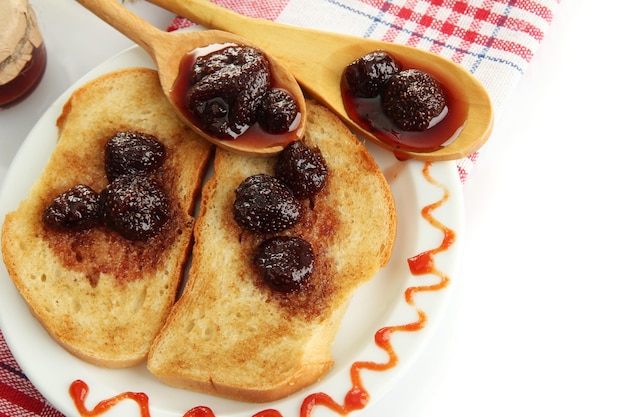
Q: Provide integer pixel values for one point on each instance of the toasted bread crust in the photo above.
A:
(231, 335)
(99, 295)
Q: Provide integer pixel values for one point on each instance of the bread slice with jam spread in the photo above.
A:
(230, 334)
(103, 296)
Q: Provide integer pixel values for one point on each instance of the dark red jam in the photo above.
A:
(26, 81)
(244, 128)
(368, 113)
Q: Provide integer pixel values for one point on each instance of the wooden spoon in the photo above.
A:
(168, 51)
(317, 60)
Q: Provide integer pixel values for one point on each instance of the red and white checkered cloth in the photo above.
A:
(494, 39)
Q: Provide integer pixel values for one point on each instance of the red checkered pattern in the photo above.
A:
(494, 39)
(18, 397)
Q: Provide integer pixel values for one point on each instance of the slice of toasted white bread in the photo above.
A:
(99, 295)
(230, 334)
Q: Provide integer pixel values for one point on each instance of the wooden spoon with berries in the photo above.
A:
(212, 107)
(318, 59)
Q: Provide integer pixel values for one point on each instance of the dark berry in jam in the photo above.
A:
(277, 111)
(75, 209)
(265, 204)
(285, 263)
(132, 153)
(412, 98)
(367, 75)
(135, 206)
(227, 87)
(302, 169)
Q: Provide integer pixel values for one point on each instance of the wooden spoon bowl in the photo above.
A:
(168, 51)
(317, 60)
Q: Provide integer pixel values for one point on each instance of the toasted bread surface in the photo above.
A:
(230, 334)
(101, 296)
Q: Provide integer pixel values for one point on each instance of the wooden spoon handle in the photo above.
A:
(126, 22)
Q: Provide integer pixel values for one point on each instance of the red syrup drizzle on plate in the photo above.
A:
(424, 263)
(357, 397)
(79, 390)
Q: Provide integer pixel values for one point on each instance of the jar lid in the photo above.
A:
(19, 36)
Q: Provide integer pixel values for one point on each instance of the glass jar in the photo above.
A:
(22, 52)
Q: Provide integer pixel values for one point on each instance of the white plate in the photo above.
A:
(379, 303)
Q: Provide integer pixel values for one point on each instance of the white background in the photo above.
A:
(536, 323)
